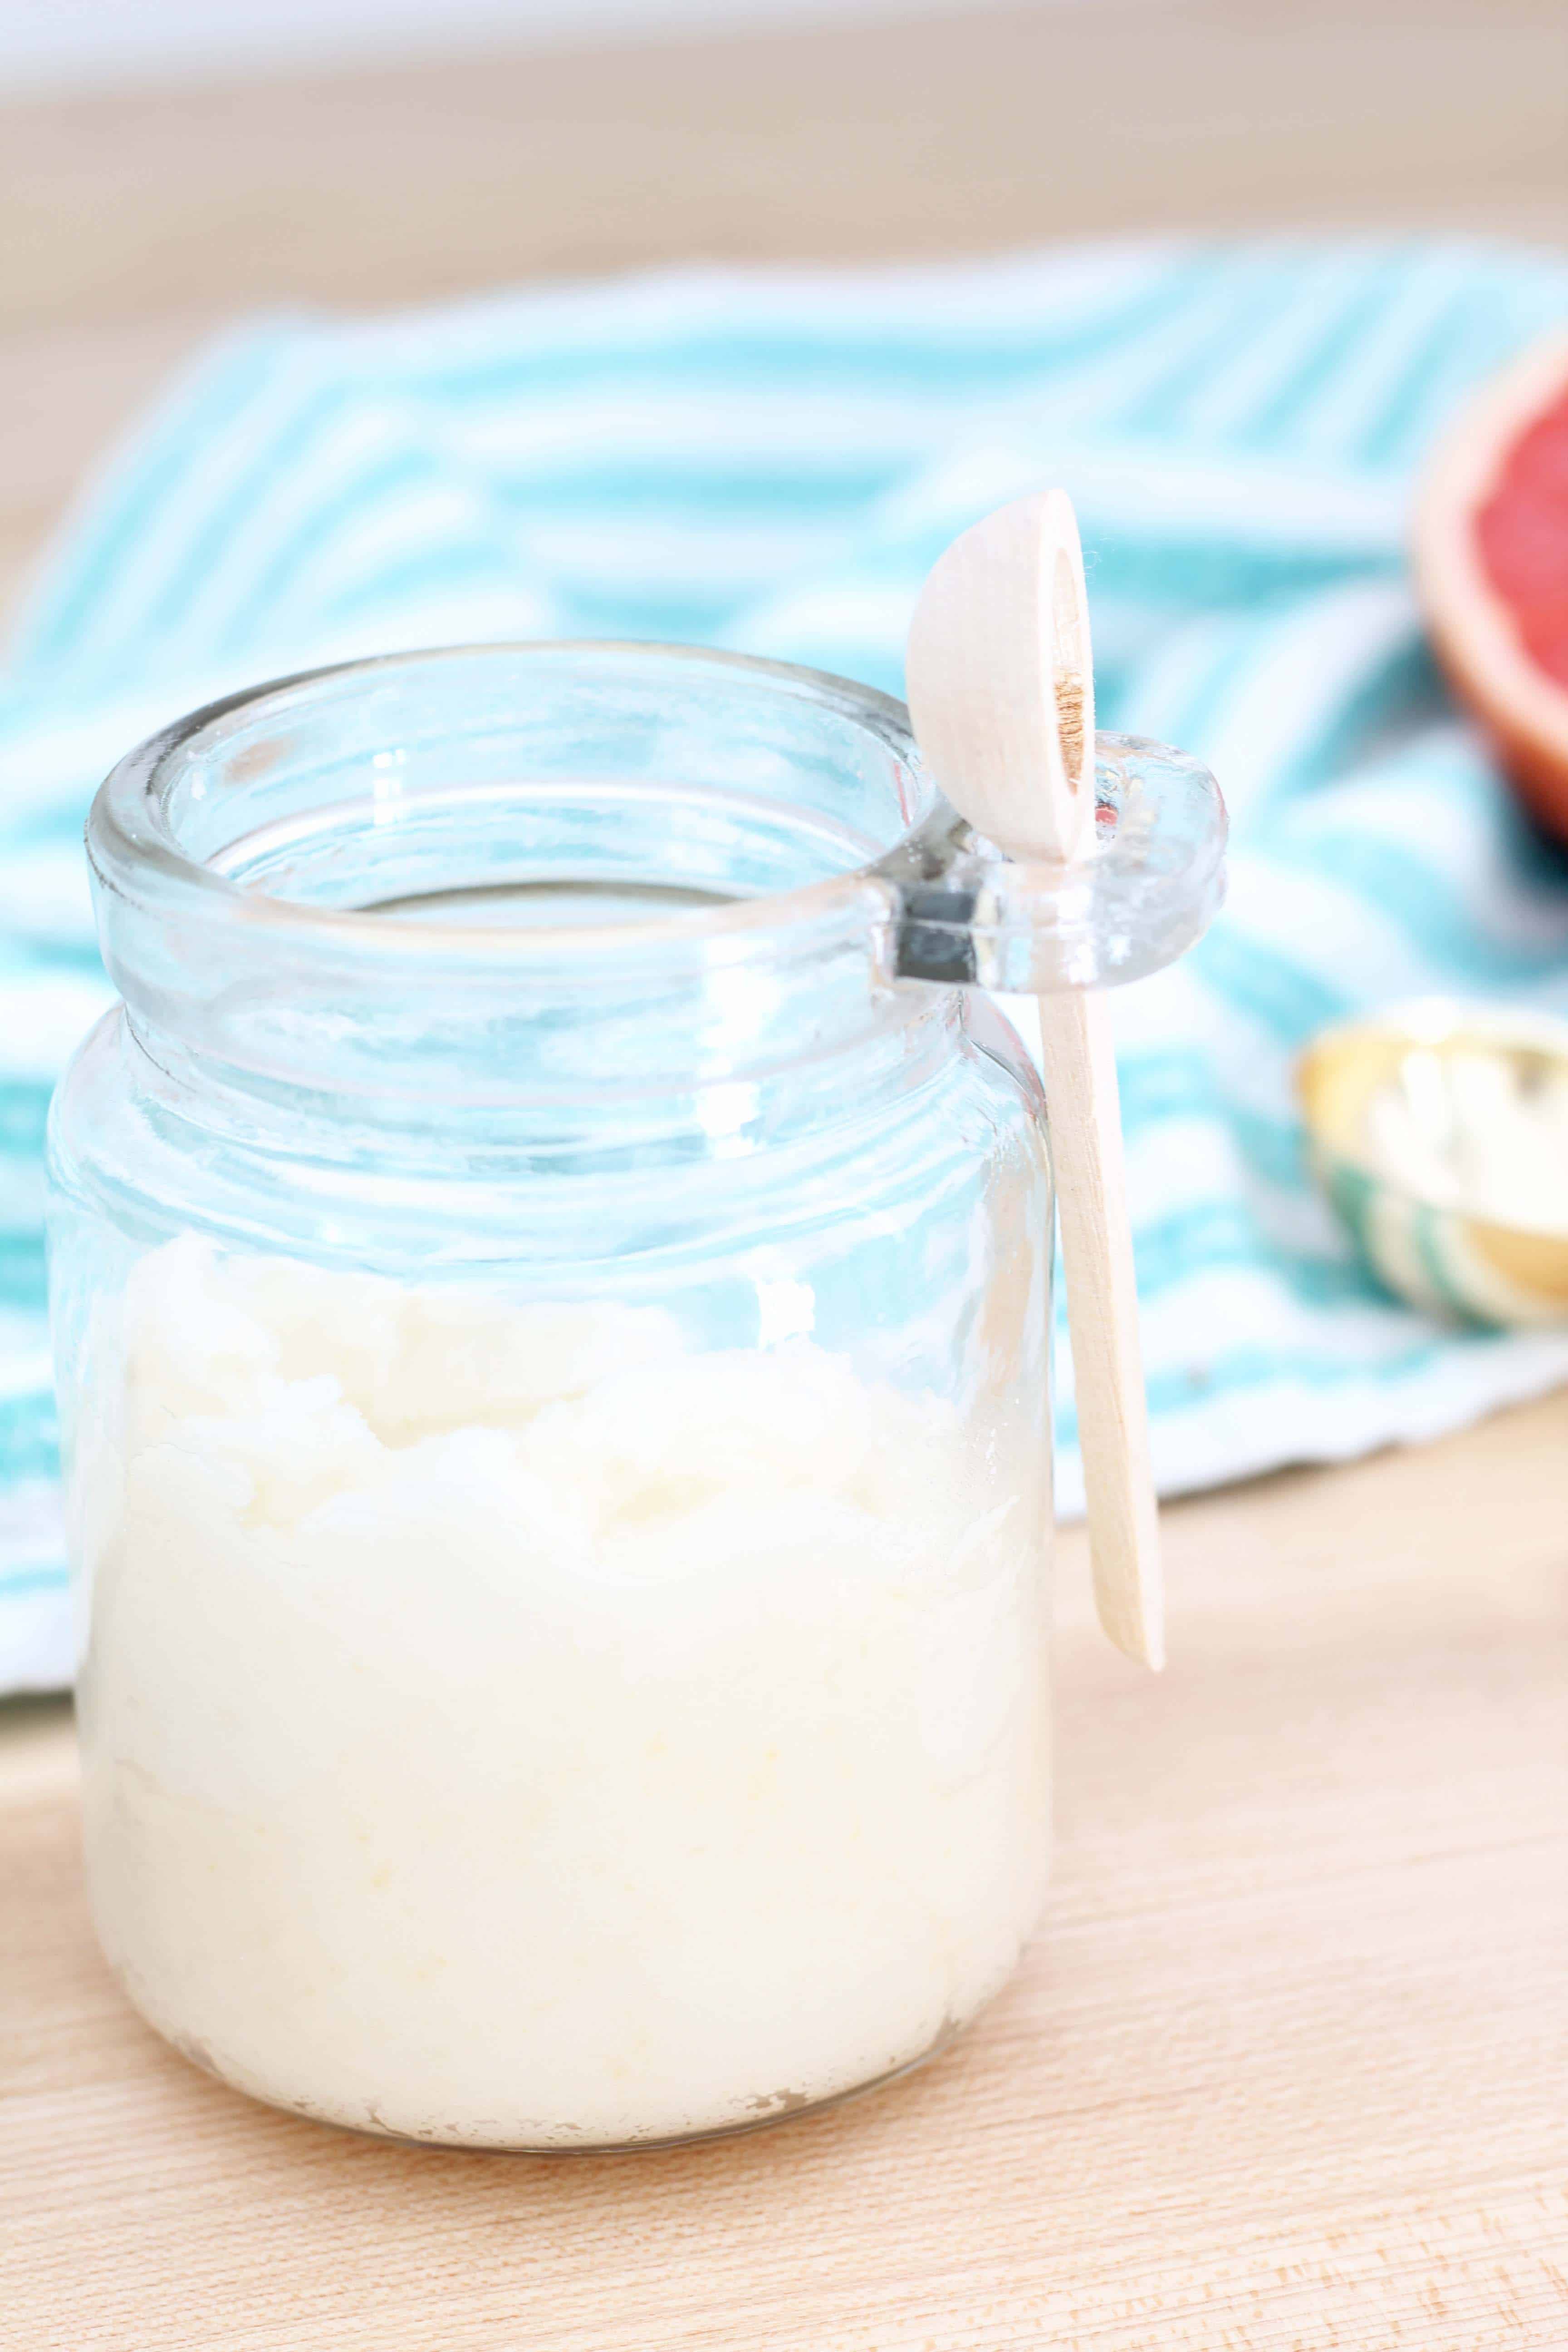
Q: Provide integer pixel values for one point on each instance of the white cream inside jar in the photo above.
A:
(505, 1726)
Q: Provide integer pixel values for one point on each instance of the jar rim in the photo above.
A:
(135, 855)
(885, 871)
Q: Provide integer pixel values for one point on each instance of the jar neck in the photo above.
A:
(699, 1047)
(795, 905)
(524, 890)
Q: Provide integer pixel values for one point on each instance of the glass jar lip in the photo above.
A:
(134, 856)
(938, 903)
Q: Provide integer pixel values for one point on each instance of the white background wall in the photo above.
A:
(60, 45)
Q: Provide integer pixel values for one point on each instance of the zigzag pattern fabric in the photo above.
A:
(770, 461)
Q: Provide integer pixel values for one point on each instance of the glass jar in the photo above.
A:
(551, 1265)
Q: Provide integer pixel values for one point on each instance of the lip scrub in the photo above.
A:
(550, 1275)
(510, 1728)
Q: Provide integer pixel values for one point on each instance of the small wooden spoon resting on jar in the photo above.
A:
(1000, 690)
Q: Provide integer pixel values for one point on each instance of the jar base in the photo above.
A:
(786, 2108)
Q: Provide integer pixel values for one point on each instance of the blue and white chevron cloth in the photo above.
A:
(770, 460)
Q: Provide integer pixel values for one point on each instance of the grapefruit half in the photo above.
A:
(1492, 569)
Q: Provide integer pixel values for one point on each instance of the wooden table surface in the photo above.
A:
(1287, 2070)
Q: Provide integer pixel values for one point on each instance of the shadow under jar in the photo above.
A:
(550, 1265)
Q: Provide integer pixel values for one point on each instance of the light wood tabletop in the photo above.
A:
(1286, 2070)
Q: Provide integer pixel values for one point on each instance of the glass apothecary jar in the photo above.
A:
(550, 1265)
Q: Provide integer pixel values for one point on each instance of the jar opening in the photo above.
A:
(501, 870)
(556, 789)
(503, 867)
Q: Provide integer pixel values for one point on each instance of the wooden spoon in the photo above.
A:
(1000, 690)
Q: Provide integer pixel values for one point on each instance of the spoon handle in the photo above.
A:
(1078, 1064)
(1080, 1070)
(1001, 687)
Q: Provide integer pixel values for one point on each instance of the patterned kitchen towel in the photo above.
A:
(770, 460)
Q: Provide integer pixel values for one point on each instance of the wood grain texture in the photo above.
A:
(1000, 683)
(1287, 2070)
(1078, 1062)
(939, 135)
